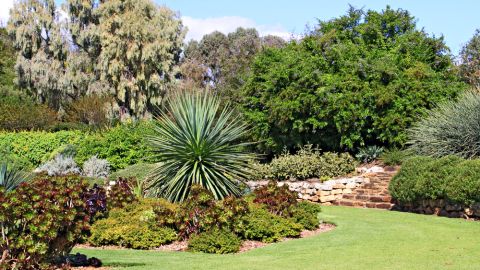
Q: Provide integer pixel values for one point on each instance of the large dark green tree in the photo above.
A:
(359, 79)
(7, 61)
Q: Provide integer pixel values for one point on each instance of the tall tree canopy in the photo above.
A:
(124, 48)
(7, 61)
(470, 57)
(356, 80)
(222, 62)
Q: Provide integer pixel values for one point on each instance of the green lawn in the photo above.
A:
(364, 239)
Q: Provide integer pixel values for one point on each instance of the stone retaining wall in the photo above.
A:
(316, 191)
(441, 208)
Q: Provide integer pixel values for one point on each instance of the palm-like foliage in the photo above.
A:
(10, 178)
(196, 142)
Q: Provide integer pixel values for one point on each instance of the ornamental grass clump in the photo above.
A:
(453, 128)
(196, 141)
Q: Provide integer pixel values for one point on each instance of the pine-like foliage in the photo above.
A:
(453, 128)
(198, 143)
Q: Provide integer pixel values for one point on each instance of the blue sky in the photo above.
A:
(456, 20)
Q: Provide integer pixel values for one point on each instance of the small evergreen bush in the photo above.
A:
(134, 226)
(214, 241)
(259, 224)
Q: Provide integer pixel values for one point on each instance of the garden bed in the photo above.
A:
(246, 245)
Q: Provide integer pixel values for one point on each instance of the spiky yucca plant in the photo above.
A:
(453, 128)
(196, 142)
(10, 178)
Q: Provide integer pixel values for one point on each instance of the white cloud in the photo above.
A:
(197, 28)
(5, 7)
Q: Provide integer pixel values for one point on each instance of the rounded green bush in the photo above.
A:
(451, 178)
(306, 214)
(214, 241)
(264, 226)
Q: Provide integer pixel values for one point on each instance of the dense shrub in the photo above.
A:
(306, 163)
(450, 129)
(450, 178)
(260, 224)
(133, 226)
(35, 147)
(122, 145)
(395, 156)
(92, 110)
(277, 199)
(121, 193)
(198, 213)
(306, 214)
(359, 79)
(42, 220)
(214, 241)
(17, 114)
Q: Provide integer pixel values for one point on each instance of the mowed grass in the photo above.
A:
(364, 239)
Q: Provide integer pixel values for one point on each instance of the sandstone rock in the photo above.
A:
(326, 187)
(347, 191)
(375, 169)
(350, 185)
(339, 186)
(328, 198)
(323, 193)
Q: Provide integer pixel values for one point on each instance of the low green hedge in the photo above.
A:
(122, 145)
(451, 178)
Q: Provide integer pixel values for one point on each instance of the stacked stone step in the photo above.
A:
(373, 193)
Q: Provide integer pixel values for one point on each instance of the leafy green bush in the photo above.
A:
(36, 146)
(197, 142)
(17, 114)
(134, 226)
(41, 221)
(306, 163)
(121, 146)
(306, 214)
(259, 224)
(369, 154)
(451, 178)
(450, 129)
(359, 79)
(214, 241)
(395, 156)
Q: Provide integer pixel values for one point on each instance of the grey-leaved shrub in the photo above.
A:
(60, 165)
(453, 128)
(96, 167)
